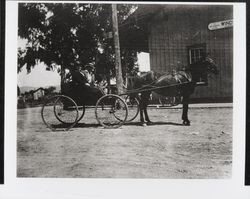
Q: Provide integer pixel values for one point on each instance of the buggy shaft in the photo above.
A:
(140, 90)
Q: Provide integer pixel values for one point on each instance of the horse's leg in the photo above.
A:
(185, 102)
(141, 105)
(146, 114)
(141, 115)
(147, 96)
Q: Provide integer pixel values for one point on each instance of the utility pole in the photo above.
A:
(118, 68)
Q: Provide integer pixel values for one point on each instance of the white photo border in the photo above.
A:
(126, 188)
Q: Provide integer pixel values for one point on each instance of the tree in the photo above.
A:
(69, 35)
(50, 89)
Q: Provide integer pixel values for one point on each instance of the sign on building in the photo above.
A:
(220, 24)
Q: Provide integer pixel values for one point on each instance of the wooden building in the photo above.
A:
(178, 35)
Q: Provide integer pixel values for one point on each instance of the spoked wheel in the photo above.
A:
(60, 113)
(133, 108)
(169, 101)
(111, 111)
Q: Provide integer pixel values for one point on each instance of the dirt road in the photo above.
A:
(165, 149)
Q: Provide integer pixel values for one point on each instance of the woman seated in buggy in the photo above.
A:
(82, 88)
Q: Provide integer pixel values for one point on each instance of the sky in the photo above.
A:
(39, 77)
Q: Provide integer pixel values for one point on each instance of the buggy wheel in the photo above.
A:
(111, 111)
(59, 113)
(133, 108)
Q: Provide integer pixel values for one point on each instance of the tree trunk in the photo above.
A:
(119, 80)
(62, 79)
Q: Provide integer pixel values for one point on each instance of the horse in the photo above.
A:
(178, 83)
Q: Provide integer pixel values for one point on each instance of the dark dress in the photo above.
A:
(81, 92)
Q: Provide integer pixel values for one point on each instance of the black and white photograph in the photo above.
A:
(153, 100)
(127, 90)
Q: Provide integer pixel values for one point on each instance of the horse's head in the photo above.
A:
(201, 70)
(211, 66)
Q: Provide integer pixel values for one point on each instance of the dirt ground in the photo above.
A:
(165, 149)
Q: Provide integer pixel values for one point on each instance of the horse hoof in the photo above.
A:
(149, 122)
(186, 123)
(144, 124)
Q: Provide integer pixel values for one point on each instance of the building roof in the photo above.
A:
(34, 91)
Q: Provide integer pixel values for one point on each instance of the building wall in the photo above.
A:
(172, 31)
(38, 94)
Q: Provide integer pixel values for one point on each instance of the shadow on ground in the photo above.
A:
(88, 125)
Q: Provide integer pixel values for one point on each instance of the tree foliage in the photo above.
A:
(70, 35)
(50, 89)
